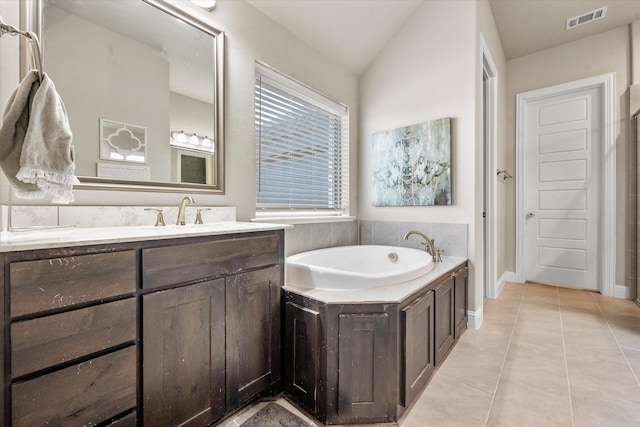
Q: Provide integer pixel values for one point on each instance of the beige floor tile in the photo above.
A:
(519, 405)
(586, 320)
(610, 375)
(537, 367)
(633, 357)
(595, 408)
(626, 332)
(480, 373)
(541, 295)
(578, 342)
(475, 361)
(540, 335)
(449, 403)
(617, 305)
(530, 305)
(540, 289)
(491, 337)
(503, 311)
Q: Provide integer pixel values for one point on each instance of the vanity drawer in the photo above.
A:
(62, 282)
(47, 341)
(84, 394)
(171, 265)
(130, 420)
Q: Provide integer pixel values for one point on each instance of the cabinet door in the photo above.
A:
(302, 354)
(460, 278)
(445, 326)
(417, 346)
(253, 333)
(183, 355)
(363, 348)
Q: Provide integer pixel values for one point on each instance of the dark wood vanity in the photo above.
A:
(362, 363)
(157, 333)
(187, 330)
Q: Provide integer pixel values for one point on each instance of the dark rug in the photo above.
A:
(274, 415)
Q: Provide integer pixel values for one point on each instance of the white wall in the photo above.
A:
(599, 54)
(427, 71)
(487, 26)
(635, 53)
(250, 36)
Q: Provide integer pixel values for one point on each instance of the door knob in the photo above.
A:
(530, 214)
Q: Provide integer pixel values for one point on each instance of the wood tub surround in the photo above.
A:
(165, 332)
(365, 363)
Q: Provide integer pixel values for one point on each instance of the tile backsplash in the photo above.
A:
(305, 237)
(106, 216)
(301, 238)
(450, 237)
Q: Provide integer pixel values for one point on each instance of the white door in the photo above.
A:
(562, 141)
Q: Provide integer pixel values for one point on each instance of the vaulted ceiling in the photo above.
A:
(353, 32)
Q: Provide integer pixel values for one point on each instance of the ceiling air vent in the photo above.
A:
(594, 15)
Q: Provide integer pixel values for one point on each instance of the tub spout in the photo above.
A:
(429, 244)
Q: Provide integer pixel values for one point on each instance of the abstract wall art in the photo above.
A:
(412, 165)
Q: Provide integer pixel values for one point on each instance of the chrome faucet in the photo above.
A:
(188, 200)
(429, 244)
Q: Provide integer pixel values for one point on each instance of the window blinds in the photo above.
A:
(302, 160)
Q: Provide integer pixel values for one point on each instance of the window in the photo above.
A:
(302, 149)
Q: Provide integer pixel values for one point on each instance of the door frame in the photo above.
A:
(607, 214)
(489, 134)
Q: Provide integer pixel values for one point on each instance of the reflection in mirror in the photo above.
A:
(132, 74)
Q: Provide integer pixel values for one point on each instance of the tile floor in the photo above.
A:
(245, 415)
(544, 356)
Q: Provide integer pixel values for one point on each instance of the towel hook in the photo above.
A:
(35, 43)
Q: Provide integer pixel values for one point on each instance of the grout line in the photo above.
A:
(504, 361)
(566, 363)
(626, 359)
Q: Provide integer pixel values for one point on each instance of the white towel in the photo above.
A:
(46, 155)
(15, 122)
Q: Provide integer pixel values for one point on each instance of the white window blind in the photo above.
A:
(302, 149)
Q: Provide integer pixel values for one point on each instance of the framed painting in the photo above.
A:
(412, 165)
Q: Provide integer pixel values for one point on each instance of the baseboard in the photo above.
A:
(622, 291)
(474, 319)
(507, 276)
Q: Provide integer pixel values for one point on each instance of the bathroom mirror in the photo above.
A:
(142, 82)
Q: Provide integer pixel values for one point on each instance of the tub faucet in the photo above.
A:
(429, 244)
(188, 200)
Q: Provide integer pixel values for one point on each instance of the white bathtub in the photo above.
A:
(356, 267)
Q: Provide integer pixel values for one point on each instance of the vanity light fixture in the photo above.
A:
(192, 141)
(179, 136)
(205, 4)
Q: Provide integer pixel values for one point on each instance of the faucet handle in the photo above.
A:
(439, 254)
(159, 216)
(199, 215)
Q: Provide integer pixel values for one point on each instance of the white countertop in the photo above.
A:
(64, 237)
(390, 294)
